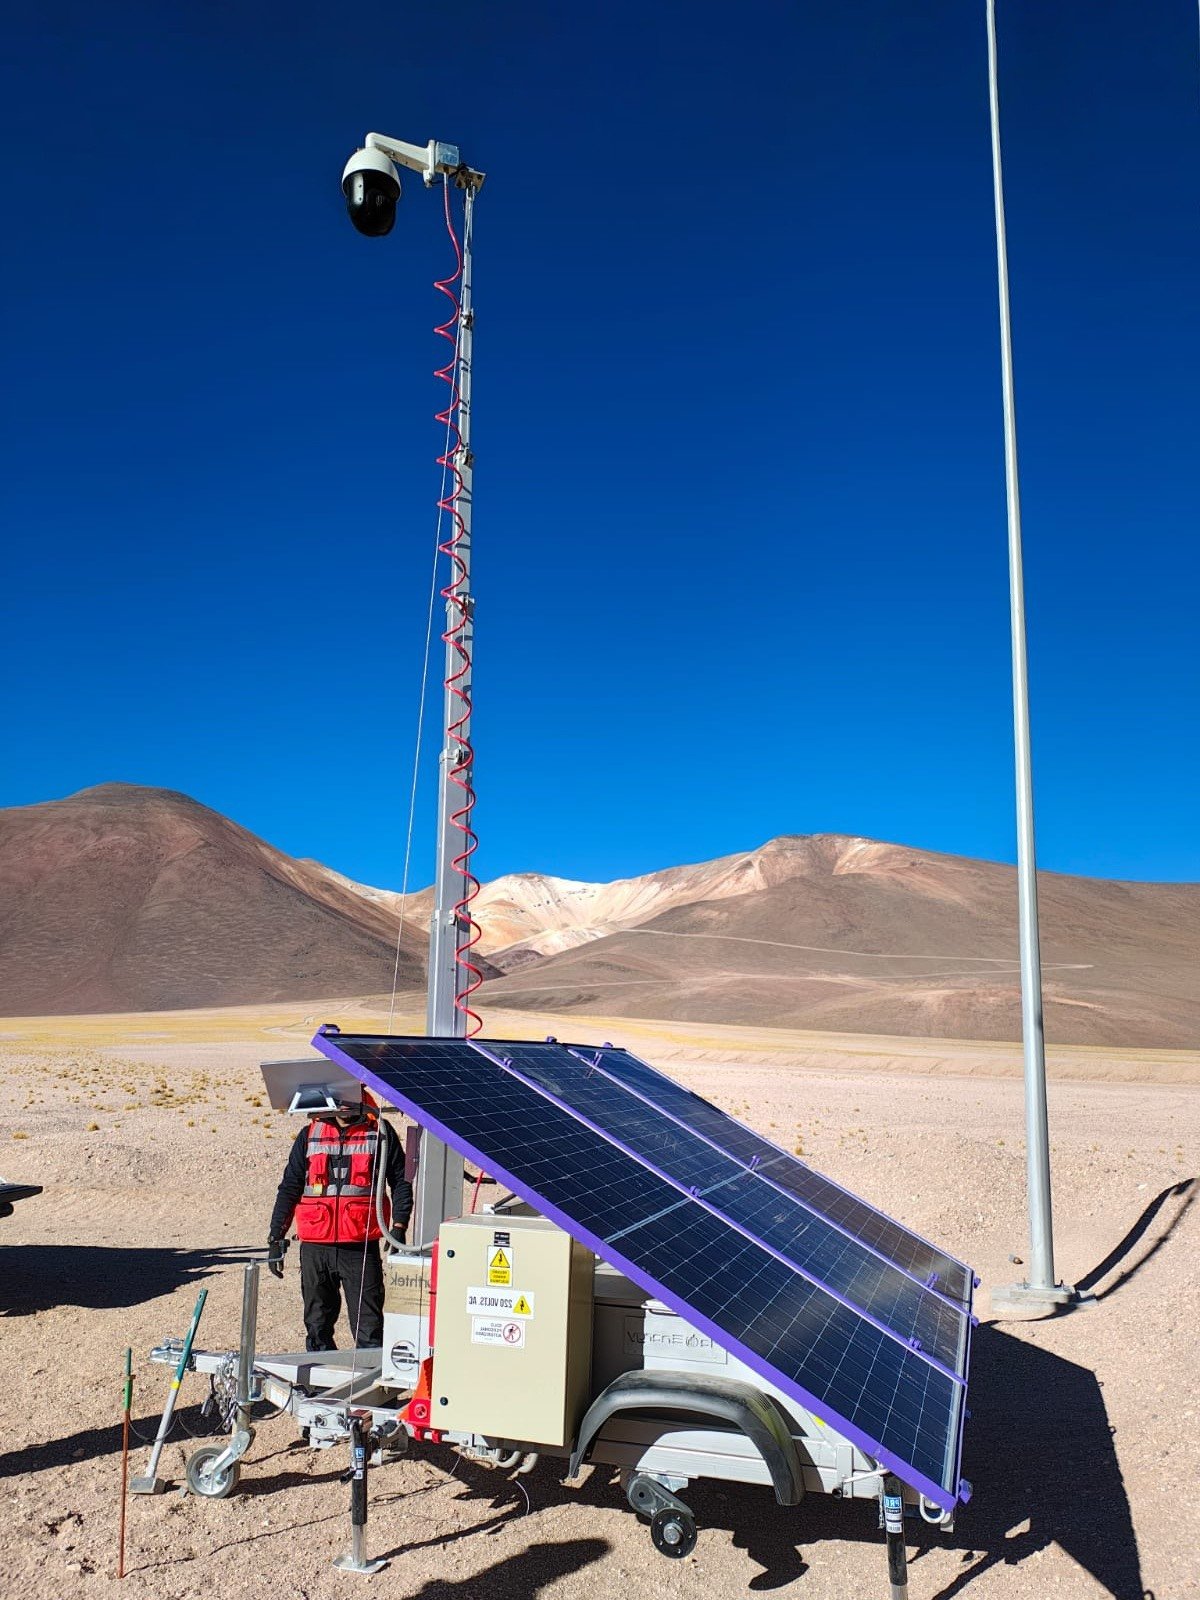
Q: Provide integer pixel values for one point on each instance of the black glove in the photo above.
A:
(399, 1230)
(276, 1250)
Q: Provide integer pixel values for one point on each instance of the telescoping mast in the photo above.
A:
(372, 188)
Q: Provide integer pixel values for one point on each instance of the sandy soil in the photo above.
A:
(160, 1160)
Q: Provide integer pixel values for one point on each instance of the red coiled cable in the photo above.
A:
(455, 639)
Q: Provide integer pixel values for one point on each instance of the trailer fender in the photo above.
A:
(723, 1399)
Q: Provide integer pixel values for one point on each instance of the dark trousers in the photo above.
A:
(328, 1270)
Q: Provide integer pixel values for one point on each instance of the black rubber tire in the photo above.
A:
(203, 1483)
(673, 1533)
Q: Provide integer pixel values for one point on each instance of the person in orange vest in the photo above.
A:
(327, 1190)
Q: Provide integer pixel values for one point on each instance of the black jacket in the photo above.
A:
(295, 1174)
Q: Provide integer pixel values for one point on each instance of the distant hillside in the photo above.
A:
(526, 915)
(124, 898)
(845, 934)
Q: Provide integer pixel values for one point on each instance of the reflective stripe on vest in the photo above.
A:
(325, 1140)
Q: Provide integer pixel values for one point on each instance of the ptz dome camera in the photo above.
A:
(371, 185)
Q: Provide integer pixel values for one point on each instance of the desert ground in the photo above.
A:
(160, 1157)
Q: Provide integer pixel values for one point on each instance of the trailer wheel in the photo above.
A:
(212, 1486)
(673, 1533)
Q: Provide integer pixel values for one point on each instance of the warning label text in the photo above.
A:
(509, 1334)
(500, 1302)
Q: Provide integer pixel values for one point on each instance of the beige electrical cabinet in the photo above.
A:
(513, 1342)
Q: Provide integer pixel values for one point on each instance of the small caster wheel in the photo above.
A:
(202, 1481)
(673, 1533)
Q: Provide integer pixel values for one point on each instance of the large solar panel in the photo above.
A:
(922, 1260)
(746, 1197)
(667, 1188)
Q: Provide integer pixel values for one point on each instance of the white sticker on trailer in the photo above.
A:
(500, 1302)
(507, 1333)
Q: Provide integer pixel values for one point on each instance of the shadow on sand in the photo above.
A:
(517, 1577)
(99, 1277)
(1039, 1450)
(89, 1443)
(1041, 1454)
(1185, 1191)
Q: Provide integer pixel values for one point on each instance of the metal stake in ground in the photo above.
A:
(356, 1560)
(150, 1484)
(128, 1402)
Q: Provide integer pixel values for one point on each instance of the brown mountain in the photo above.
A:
(127, 898)
(845, 934)
(123, 898)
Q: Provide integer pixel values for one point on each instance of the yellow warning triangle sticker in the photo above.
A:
(500, 1260)
(522, 1307)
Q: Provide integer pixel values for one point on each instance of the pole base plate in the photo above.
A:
(347, 1563)
(147, 1486)
(1039, 1297)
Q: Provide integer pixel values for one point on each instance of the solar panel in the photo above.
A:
(881, 1233)
(819, 1313)
(746, 1197)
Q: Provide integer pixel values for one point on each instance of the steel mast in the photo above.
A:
(1040, 1286)
(438, 1189)
(439, 1178)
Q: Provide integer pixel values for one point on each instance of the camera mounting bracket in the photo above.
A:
(429, 160)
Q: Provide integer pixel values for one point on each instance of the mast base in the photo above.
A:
(1040, 1297)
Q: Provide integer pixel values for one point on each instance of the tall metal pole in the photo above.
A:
(440, 1170)
(1041, 1282)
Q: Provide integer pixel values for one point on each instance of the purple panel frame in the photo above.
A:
(934, 1492)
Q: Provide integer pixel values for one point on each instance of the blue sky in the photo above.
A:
(740, 503)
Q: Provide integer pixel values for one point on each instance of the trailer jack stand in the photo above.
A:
(891, 1518)
(355, 1560)
(212, 1471)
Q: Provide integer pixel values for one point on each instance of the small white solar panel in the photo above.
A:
(315, 1084)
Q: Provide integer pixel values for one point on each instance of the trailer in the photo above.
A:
(606, 1378)
(524, 1331)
